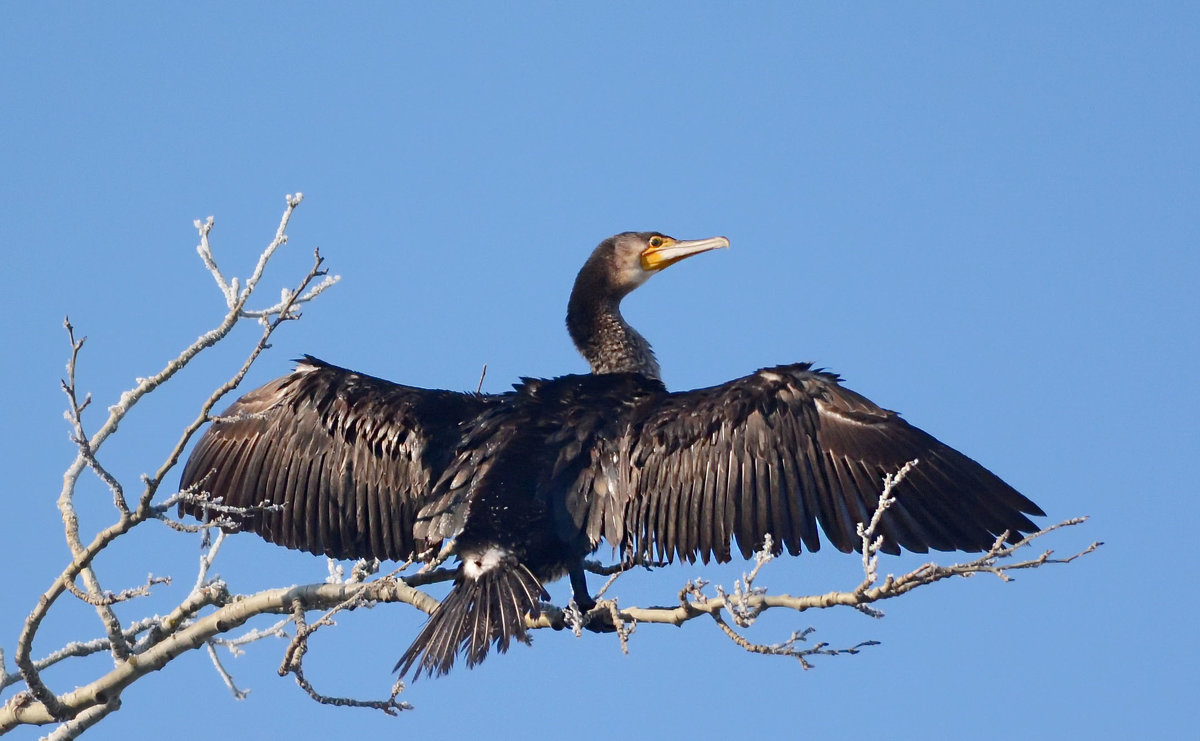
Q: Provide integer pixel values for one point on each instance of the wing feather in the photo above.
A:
(783, 450)
(343, 461)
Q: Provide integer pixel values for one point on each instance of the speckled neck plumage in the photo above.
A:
(594, 318)
(607, 341)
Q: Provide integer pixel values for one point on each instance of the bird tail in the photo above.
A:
(488, 604)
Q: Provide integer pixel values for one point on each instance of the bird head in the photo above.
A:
(636, 256)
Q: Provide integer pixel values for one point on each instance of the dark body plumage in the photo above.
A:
(525, 484)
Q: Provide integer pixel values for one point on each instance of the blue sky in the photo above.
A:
(984, 217)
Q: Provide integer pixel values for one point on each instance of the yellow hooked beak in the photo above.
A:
(664, 252)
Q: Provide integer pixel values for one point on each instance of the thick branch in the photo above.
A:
(104, 689)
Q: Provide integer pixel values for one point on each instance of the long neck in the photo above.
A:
(606, 340)
(594, 320)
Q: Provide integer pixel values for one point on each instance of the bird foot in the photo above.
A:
(598, 618)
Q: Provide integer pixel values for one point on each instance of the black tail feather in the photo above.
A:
(477, 613)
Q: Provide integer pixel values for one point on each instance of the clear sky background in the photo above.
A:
(985, 217)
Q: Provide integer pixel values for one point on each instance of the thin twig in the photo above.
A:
(482, 375)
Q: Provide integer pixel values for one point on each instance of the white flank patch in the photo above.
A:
(476, 565)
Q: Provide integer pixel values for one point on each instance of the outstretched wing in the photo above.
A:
(783, 450)
(343, 461)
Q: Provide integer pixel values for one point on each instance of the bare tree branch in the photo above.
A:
(691, 606)
(230, 615)
(88, 452)
(293, 659)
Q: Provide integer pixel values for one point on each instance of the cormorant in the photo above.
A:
(523, 485)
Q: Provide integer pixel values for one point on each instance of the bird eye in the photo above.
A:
(656, 242)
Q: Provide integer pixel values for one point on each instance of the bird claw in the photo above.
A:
(598, 618)
(599, 621)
